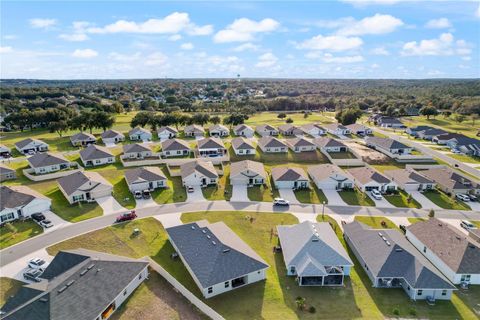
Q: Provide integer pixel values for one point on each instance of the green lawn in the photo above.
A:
(401, 200)
(18, 231)
(272, 159)
(265, 193)
(441, 122)
(298, 119)
(221, 191)
(415, 220)
(8, 288)
(356, 198)
(174, 193)
(312, 195)
(464, 158)
(376, 222)
(444, 201)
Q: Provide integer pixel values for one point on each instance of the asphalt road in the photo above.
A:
(44, 240)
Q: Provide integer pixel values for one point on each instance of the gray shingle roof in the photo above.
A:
(174, 144)
(210, 143)
(334, 126)
(367, 174)
(82, 136)
(355, 127)
(386, 143)
(194, 128)
(229, 258)
(323, 171)
(242, 143)
(288, 174)
(23, 143)
(135, 147)
(267, 127)
(241, 127)
(204, 167)
(4, 169)
(144, 174)
(93, 152)
(449, 178)
(300, 142)
(111, 134)
(17, 196)
(46, 159)
(252, 167)
(138, 130)
(405, 176)
(167, 128)
(326, 142)
(218, 127)
(74, 181)
(271, 142)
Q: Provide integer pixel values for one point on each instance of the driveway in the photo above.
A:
(110, 205)
(169, 220)
(400, 221)
(334, 198)
(381, 203)
(424, 201)
(56, 221)
(456, 224)
(143, 203)
(196, 195)
(474, 205)
(239, 193)
(16, 269)
(289, 195)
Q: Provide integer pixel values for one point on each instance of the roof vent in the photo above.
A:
(226, 250)
(440, 224)
(214, 243)
(388, 243)
(69, 283)
(83, 272)
(62, 289)
(204, 231)
(399, 249)
(380, 234)
(471, 246)
(458, 237)
(208, 236)
(193, 227)
(44, 300)
(384, 239)
(315, 239)
(91, 266)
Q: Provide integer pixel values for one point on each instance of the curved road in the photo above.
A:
(47, 239)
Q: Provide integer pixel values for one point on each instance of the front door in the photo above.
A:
(204, 182)
(87, 195)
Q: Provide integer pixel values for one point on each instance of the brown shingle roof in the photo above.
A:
(271, 142)
(204, 167)
(242, 143)
(239, 167)
(367, 174)
(174, 144)
(288, 174)
(210, 143)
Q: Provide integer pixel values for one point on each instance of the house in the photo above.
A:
(18, 202)
(167, 132)
(94, 155)
(359, 129)
(82, 139)
(457, 256)
(272, 145)
(194, 130)
(390, 261)
(78, 284)
(289, 129)
(444, 138)
(216, 258)
(175, 148)
(198, 173)
(290, 178)
(368, 179)
(300, 145)
(242, 146)
(465, 145)
(328, 144)
(428, 134)
(218, 130)
(388, 146)
(336, 129)
(266, 130)
(388, 122)
(313, 254)
(5, 152)
(329, 177)
(111, 137)
(247, 173)
(211, 147)
(410, 180)
(244, 131)
(451, 182)
(31, 145)
(145, 178)
(139, 134)
(84, 186)
(136, 151)
(48, 162)
(413, 131)
(312, 129)
(7, 173)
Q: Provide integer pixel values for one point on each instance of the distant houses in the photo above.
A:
(18, 202)
(387, 122)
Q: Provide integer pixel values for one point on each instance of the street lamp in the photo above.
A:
(323, 211)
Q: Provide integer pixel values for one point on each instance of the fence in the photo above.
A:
(171, 162)
(212, 314)
(347, 162)
(29, 173)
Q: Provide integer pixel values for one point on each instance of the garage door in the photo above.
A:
(370, 188)
(36, 206)
(411, 187)
(327, 185)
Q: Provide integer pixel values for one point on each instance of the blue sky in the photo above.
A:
(313, 39)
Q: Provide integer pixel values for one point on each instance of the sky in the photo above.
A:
(226, 39)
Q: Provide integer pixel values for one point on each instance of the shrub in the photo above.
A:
(413, 312)
(289, 120)
(431, 213)
(312, 309)
(396, 311)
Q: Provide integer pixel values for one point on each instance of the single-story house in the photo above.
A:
(7, 173)
(465, 145)
(145, 178)
(413, 131)
(328, 144)
(94, 155)
(198, 173)
(29, 144)
(410, 180)
(312, 129)
(388, 145)
(112, 137)
(428, 134)
(82, 139)
(167, 132)
(216, 258)
(390, 261)
(218, 130)
(84, 186)
(451, 182)
(48, 162)
(248, 173)
(329, 177)
(244, 131)
(367, 179)
(457, 256)
(300, 145)
(289, 129)
(136, 151)
(139, 134)
(211, 147)
(272, 145)
(290, 178)
(313, 254)
(359, 129)
(194, 130)
(388, 122)
(78, 284)
(444, 138)
(17, 202)
(336, 129)
(175, 148)
(266, 130)
(242, 146)
(5, 152)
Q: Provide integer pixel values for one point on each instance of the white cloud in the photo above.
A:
(84, 53)
(187, 46)
(155, 59)
(175, 37)
(477, 13)
(200, 31)
(42, 23)
(6, 49)
(380, 51)
(377, 24)
(443, 46)
(331, 43)
(246, 47)
(124, 57)
(374, 66)
(266, 60)
(74, 37)
(329, 58)
(440, 23)
(10, 37)
(243, 30)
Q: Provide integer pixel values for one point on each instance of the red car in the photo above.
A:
(126, 216)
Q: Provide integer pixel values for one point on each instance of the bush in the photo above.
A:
(312, 309)
(396, 311)
(413, 312)
(289, 120)
(431, 213)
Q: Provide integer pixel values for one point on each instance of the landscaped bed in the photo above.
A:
(18, 231)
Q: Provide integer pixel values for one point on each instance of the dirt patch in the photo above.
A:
(368, 155)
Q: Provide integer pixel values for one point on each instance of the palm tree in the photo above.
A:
(300, 302)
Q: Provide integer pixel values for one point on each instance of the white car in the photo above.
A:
(467, 225)
(37, 263)
(463, 197)
(280, 202)
(46, 223)
(376, 194)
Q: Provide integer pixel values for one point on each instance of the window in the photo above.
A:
(424, 249)
(97, 161)
(210, 290)
(444, 292)
(125, 292)
(408, 288)
(227, 284)
(140, 276)
(465, 278)
(292, 269)
(419, 292)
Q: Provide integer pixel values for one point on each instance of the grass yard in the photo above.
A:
(18, 231)
(174, 193)
(264, 193)
(415, 220)
(8, 288)
(440, 122)
(356, 198)
(444, 201)
(298, 119)
(272, 159)
(401, 200)
(312, 195)
(223, 190)
(376, 222)
(464, 158)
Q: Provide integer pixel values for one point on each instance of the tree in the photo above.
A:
(200, 118)
(141, 119)
(60, 127)
(428, 111)
(431, 213)
(457, 117)
(446, 114)
(103, 120)
(391, 111)
(289, 120)
(348, 116)
(282, 115)
(215, 120)
(300, 302)
(235, 119)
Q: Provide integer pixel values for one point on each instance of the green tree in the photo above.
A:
(215, 120)
(457, 117)
(282, 115)
(428, 111)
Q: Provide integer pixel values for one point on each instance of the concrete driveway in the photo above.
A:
(289, 195)
(239, 193)
(424, 201)
(16, 269)
(381, 203)
(169, 220)
(56, 221)
(110, 205)
(334, 198)
(196, 195)
(474, 205)
(143, 203)
(456, 224)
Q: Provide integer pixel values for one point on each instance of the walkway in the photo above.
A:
(110, 205)
(289, 195)
(334, 198)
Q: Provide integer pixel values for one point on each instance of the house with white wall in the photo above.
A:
(198, 173)
(211, 147)
(84, 186)
(145, 178)
(272, 145)
(82, 139)
(18, 202)
(48, 162)
(410, 180)
(243, 130)
(218, 130)
(313, 129)
(111, 137)
(266, 130)
(194, 130)
(140, 134)
(300, 144)
(94, 155)
(31, 145)
(136, 151)
(290, 178)
(336, 129)
(247, 173)
(243, 147)
(328, 144)
(175, 148)
(388, 146)
(368, 179)
(167, 132)
(329, 177)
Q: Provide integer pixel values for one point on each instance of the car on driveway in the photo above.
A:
(190, 189)
(33, 274)
(137, 194)
(472, 197)
(46, 223)
(38, 217)
(467, 225)
(127, 216)
(146, 194)
(462, 197)
(280, 202)
(376, 194)
(37, 263)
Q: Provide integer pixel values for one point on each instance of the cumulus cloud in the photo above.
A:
(84, 53)
(380, 51)
(329, 58)
(187, 46)
(39, 23)
(440, 23)
(246, 47)
(266, 60)
(377, 24)
(124, 57)
(74, 37)
(156, 59)
(442, 46)
(6, 49)
(331, 43)
(175, 37)
(244, 30)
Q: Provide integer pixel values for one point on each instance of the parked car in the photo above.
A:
(127, 216)
(31, 152)
(38, 217)
(280, 202)
(462, 197)
(190, 189)
(146, 194)
(467, 225)
(376, 194)
(46, 223)
(138, 194)
(37, 263)
(473, 197)
(33, 274)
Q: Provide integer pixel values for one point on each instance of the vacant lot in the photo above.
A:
(366, 154)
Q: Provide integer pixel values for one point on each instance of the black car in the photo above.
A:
(38, 217)
(33, 274)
